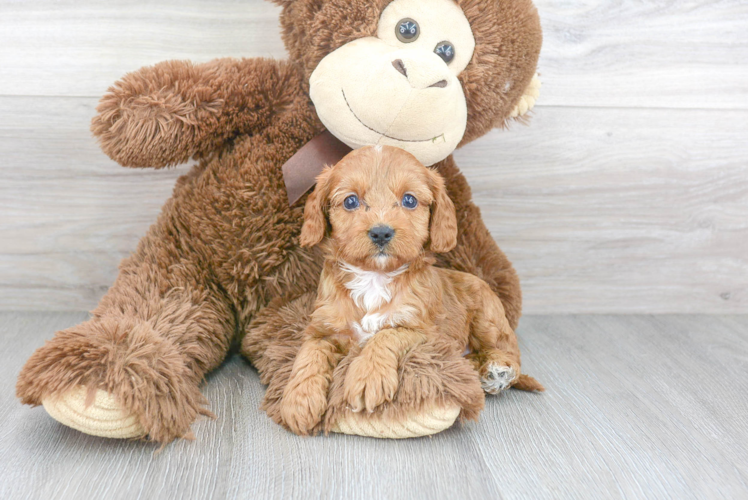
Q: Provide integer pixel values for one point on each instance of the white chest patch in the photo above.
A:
(368, 326)
(370, 290)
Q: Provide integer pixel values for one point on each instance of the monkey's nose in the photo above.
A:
(381, 235)
(399, 65)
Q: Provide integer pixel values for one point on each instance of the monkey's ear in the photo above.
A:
(443, 217)
(315, 222)
(527, 100)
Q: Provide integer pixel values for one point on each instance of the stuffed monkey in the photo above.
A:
(222, 263)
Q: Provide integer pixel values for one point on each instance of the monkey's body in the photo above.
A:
(223, 261)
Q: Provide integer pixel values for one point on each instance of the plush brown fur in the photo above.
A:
(223, 260)
(424, 303)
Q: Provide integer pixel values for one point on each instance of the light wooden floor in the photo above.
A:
(637, 407)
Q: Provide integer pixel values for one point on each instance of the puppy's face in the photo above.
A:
(383, 206)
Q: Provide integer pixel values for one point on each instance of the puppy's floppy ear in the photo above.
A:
(315, 222)
(443, 217)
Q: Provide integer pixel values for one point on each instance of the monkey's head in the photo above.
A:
(427, 76)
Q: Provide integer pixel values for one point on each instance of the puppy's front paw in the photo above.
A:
(495, 377)
(368, 385)
(303, 405)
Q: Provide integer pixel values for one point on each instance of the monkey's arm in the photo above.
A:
(165, 114)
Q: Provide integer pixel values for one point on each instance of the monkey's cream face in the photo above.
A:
(400, 88)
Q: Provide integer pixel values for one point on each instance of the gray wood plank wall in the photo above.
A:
(628, 191)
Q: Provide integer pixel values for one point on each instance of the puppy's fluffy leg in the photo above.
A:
(496, 351)
(372, 378)
(305, 397)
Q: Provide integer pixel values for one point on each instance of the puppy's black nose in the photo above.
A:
(381, 235)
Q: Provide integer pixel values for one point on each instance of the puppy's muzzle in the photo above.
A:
(381, 235)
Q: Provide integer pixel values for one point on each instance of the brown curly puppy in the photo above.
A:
(379, 287)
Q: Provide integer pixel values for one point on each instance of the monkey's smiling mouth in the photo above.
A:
(433, 139)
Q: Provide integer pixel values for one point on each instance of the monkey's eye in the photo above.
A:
(407, 30)
(446, 51)
(409, 201)
(351, 203)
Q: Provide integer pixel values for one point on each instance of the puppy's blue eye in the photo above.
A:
(409, 201)
(351, 203)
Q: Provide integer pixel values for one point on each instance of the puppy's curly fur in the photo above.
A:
(380, 290)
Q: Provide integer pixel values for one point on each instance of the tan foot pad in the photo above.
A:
(103, 417)
(424, 423)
